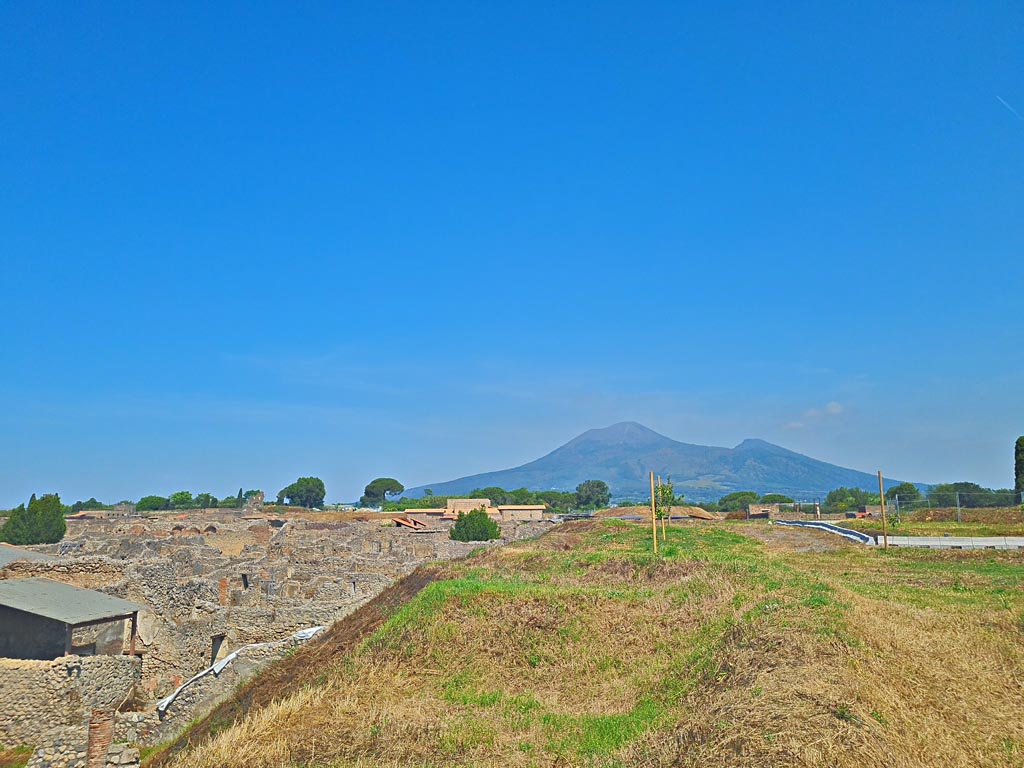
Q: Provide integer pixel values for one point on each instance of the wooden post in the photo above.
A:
(881, 499)
(131, 640)
(654, 517)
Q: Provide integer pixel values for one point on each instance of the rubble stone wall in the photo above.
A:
(36, 696)
(88, 572)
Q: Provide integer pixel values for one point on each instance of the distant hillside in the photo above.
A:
(624, 453)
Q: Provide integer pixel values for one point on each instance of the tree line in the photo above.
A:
(908, 495)
(185, 500)
(589, 495)
(177, 500)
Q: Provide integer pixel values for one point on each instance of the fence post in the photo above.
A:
(958, 506)
(896, 498)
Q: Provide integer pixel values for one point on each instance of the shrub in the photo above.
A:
(474, 526)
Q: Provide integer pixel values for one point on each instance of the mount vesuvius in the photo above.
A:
(624, 453)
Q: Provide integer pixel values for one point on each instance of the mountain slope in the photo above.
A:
(624, 453)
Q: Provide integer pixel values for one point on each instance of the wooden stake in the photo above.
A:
(881, 499)
(654, 517)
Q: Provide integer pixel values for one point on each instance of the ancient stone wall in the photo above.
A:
(94, 572)
(39, 695)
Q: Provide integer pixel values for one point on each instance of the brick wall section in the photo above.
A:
(101, 734)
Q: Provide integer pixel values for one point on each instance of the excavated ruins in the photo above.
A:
(224, 587)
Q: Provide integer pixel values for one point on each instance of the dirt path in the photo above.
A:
(289, 674)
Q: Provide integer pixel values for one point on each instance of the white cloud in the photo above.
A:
(813, 416)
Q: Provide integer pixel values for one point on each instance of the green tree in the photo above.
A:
(558, 501)
(182, 500)
(250, 495)
(849, 499)
(304, 492)
(970, 495)
(592, 494)
(665, 498)
(41, 522)
(152, 503)
(907, 492)
(522, 496)
(498, 496)
(376, 491)
(1018, 465)
(91, 504)
(735, 502)
(474, 526)
(240, 499)
(17, 529)
(775, 498)
(205, 500)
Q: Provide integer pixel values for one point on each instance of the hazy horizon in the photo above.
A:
(244, 244)
(352, 492)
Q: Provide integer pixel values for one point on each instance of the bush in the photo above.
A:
(474, 526)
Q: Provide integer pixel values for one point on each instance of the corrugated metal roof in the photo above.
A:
(62, 602)
(9, 553)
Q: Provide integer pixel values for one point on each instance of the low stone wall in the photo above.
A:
(88, 572)
(36, 696)
(69, 748)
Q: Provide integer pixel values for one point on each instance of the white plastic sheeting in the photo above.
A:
(218, 667)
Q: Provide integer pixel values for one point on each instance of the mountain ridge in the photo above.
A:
(623, 453)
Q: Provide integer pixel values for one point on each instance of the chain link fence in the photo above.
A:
(958, 505)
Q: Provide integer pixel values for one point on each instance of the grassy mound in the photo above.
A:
(583, 648)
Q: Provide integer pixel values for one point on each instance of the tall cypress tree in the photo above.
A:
(1018, 466)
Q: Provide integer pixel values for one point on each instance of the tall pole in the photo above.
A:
(881, 498)
(654, 517)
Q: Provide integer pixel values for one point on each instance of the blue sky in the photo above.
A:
(240, 242)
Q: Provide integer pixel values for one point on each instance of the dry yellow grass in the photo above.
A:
(580, 649)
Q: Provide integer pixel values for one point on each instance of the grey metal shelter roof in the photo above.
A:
(10, 553)
(63, 602)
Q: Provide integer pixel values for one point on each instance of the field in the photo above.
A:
(582, 648)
